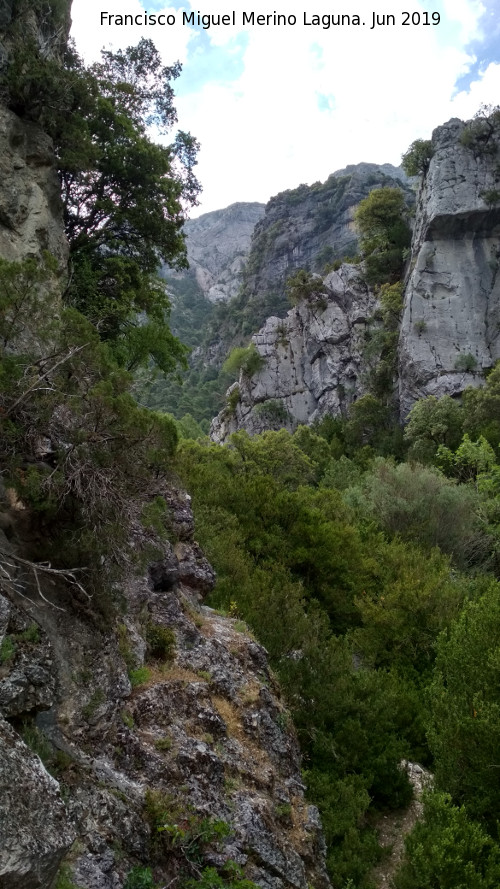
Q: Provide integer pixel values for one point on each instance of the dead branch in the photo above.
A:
(67, 574)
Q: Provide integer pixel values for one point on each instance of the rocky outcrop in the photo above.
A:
(450, 327)
(168, 716)
(309, 227)
(313, 361)
(30, 203)
(34, 828)
(450, 330)
(218, 244)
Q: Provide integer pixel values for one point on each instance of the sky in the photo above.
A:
(277, 105)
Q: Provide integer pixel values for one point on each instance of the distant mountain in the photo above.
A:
(308, 227)
(240, 259)
(218, 244)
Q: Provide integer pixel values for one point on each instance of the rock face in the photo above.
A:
(218, 244)
(168, 716)
(30, 205)
(34, 828)
(308, 228)
(450, 330)
(313, 361)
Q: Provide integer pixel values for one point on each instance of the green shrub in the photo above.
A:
(244, 358)
(466, 363)
(420, 326)
(447, 850)
(64, 879)
(161, 641)
(232, 400)
(139, 676)
(273, 412)
(464, 730)
(481, 134)
(491, 196)
(303, 285)
(384, 234)
(140, 878)
(7, 649)
(417, 158)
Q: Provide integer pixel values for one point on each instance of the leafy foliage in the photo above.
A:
(303, 285)
(448, 850)
(481, 134)
(246, 359)
(384, 234)
(465, 712)
(124, 197)
(417, 158)
(61, 388)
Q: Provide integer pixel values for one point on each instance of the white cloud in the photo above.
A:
(91, 36)
(265, 131)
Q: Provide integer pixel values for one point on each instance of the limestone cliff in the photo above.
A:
(30, 213)
(308, 227)
(313, 361)
(451, 322)
(218, 244)
(450, 327)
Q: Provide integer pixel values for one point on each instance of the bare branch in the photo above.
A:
(34, 385)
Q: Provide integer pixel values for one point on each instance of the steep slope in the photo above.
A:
(196, 742)
(308, 227)
(451, 321)
(138, 729)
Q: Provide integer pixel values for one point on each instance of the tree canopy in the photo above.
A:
(124, 202)
(125, 197)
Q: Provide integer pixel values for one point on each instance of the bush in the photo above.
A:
(447, 850)
(303, 285)
(384, 234)
(60, 386)
(421, 505)
(140, 878)
(466, 363)
(415, 161)
(273, 412)
(161, 642)
(245, 359)
(464, 731)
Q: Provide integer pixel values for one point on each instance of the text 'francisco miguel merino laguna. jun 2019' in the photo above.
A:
(370, 20)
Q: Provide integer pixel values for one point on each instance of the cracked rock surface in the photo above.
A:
(202, 730)
(313, 360)
(450, 329)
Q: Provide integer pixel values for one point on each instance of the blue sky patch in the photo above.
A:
(325, 102)
(207, 63)
(486, 49)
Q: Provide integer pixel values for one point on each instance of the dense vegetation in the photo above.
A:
(367, 563)
(124, 196)
(349, 566)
